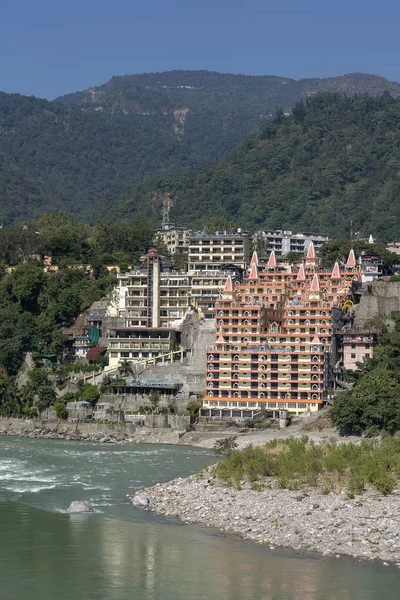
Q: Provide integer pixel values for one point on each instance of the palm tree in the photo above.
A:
(124, 367)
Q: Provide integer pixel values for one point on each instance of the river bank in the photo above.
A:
(129, 433)
(366, 527)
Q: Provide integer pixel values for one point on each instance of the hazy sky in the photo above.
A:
(48, 47)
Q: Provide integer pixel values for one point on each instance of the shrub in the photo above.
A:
(226, 445)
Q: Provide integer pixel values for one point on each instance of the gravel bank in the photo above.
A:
(367, 527)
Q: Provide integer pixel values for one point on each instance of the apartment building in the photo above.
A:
(274, 337)
(153, 301)
(283, 242)
(355, 346)
(175, 239)
(208, 252)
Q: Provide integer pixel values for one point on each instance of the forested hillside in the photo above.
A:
(332, 160)
(83, 151)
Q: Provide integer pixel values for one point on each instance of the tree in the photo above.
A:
(60, 410)
(154, 399)
(225, 446)
(90, 393)
(125, 367)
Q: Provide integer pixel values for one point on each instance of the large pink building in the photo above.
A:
(273, 337)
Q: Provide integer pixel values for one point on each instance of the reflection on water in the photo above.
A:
(51, 556)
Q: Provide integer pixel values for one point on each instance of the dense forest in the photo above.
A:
(83, 152)
(333, 160)
(36, 303)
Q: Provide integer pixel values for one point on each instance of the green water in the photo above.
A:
(124, 553)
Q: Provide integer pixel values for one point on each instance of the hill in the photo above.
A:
(82, 151)
(332, 160)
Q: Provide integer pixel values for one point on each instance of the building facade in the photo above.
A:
(175, 239)
(209, 252)
(274, 337)
(283, 242)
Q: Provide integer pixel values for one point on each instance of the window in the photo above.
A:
(353, 356)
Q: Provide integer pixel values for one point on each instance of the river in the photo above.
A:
(123, 553)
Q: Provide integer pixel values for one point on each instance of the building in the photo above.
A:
(138, 343)
(274, 334)
(154, 295)
(371, 267)
(175, 239)
(354, 348)
(283, 242)
(208, 252)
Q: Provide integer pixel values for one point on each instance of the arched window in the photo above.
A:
(209, 375)
(220, 322)
(314, 386)
(315, 348)
(262, 395)
(288, 376)
(262, 357)
(209, 385)
(246, 313)
(290, 313)
(262, 367)
(315, 368)
(314, 396)
(210, 357)
(262, 386)
(236, 357)
(315, 358)
(221, 313)
(236, 367)
(262, 376)
(236, 348)
(315, 377)
(235, 394)
(246, 330)
(246, 322)
(235, 385)
(235, 376)
(290, 322)
(246, 339)
(210, 366)
(287, 395)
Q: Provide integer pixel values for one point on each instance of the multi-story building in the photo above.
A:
(175, 239)
(274, 337)
(355, 346)
(209, 252)
(283, 242)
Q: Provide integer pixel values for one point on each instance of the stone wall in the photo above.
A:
(379, 299)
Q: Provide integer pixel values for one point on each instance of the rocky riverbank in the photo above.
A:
(89, 432)
(367, 527)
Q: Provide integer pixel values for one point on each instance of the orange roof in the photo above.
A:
(220, 339)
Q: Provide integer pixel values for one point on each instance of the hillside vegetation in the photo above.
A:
(83, 151)
(332, 160)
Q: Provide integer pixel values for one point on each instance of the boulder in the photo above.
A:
(78, 506)
(140, 500)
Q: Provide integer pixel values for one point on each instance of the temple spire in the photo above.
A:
(351, 260)
(272, 259)
(220, 338)
(301, 276)
(254, 259)
(336, 272)
(253, 272)
(311, 252)
(228, 289)
(315, 287)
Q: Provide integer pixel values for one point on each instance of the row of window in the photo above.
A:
(279, 405)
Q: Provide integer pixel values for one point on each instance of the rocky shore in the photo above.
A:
(98, 433)
(367, 527)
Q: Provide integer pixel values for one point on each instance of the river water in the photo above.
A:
(123, 553)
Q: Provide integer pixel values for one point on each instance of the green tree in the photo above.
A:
(90, 393)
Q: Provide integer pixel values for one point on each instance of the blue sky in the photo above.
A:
(49, 48)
